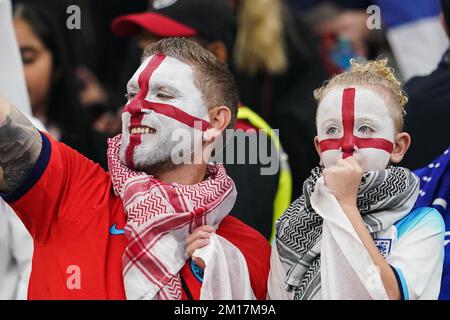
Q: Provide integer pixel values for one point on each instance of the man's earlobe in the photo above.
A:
(210, 134)
(219, 117)
(401, 145)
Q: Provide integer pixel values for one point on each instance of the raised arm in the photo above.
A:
(20, 146)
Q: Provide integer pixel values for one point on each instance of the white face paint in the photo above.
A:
(373, 123)
(171, 83)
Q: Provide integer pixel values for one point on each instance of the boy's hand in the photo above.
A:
(343, 180)
(198, 239)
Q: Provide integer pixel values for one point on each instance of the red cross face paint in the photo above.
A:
(163, 98)
(355, 122)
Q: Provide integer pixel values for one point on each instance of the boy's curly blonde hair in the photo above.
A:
(373, 73)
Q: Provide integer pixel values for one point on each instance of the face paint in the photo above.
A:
(166, 99)
(361, 127)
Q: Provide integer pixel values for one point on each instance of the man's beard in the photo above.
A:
(150, 156)
(154, 160)
(159, 168)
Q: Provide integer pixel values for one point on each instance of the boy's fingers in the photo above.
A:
(346, 163)
(206, 228)
(197, 244)
(349, 163)
(200, 232)
(198, 235)
(352, 162)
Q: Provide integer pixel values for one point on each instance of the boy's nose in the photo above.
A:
(348, 146)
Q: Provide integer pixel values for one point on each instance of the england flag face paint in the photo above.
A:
(355, 122)
(163, 98)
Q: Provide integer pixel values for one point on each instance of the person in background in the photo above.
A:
(340, 20)
(277, 66)
(16, 245)
(51, 82)
(414, 34)
(429, 108)
(100, 88)
(435, 192)
(262, 198)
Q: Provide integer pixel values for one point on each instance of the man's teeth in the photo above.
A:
(142, 130)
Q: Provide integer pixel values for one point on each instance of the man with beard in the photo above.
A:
(123, 234)
(262, 197)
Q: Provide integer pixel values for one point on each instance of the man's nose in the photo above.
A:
(135, 106)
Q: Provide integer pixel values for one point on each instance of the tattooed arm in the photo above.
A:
(20, 146)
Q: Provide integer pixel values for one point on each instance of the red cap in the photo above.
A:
(152, 22)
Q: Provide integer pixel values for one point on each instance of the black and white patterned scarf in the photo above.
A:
(384, 197)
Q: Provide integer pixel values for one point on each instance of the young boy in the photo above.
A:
(353, 233)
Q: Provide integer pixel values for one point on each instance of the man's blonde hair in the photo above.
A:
(375, 73)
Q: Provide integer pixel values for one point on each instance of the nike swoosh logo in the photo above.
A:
(116, 232)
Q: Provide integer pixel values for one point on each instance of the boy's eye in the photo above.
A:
(332, 131)
(366, 130)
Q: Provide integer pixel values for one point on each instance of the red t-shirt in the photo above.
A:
(76, 221)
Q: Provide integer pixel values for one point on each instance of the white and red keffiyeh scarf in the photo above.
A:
(159, 218)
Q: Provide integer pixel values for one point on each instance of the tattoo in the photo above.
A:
(20, 146)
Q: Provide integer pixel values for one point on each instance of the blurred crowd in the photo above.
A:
(279, 52)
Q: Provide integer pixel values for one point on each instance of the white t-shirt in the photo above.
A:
(414, 247)
(16, 251)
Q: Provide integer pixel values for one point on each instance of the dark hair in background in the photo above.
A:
(64, 109)
(445, 5)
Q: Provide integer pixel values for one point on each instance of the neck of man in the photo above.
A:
(186, 174)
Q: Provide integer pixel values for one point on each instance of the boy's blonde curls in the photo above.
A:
(374, 73)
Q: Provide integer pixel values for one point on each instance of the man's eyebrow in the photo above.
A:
(167, 87)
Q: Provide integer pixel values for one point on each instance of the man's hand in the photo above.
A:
(343, 180)
(198, 239)
(20, 146)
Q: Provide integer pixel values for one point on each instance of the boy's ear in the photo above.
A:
(316, 144)
(401, 145)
